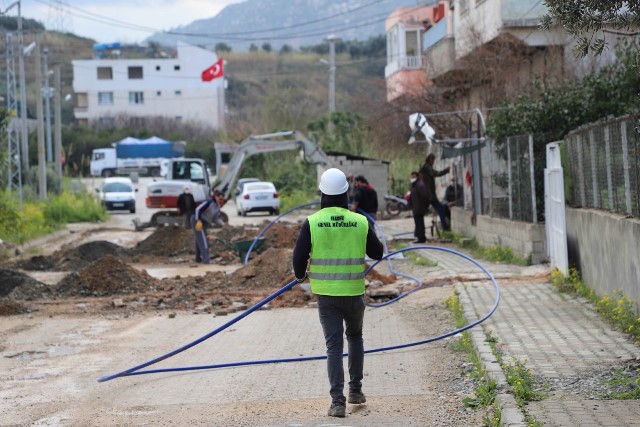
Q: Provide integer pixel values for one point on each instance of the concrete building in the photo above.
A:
(405, 71)
(479, 49)
(160, 87)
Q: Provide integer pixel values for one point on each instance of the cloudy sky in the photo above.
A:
(107, 21)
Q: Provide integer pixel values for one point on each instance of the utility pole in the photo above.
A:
(23, 97)
(57, 118)
(47, 105)
(332, 39)
(42, 166)
(14, 181)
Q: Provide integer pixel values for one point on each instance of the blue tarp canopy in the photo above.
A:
(152, 147)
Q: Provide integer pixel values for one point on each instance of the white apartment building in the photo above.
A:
(164, 87)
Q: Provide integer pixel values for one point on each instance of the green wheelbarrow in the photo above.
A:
(242, 246)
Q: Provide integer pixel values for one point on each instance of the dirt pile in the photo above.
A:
(269, 270)
(74, 258)
(170, 241)
(108, 275)
(18, 286)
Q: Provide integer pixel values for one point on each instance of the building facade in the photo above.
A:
(105, 89)
(481, 50)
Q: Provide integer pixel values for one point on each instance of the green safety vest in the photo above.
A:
(338, 247)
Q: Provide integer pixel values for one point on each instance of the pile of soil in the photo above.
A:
(169, 241)
(271, 269)
(18, 286)
(74, 258)
(108, 275)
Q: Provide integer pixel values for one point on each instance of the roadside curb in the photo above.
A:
(511, 415)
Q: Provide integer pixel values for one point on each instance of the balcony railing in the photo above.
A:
(403, 63)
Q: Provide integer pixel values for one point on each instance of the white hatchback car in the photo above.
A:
(118, 194)
(258, 197)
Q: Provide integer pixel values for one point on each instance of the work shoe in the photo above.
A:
(356, 397)
(337, 410)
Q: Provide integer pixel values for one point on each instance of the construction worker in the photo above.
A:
(206, 215)
(334, 241)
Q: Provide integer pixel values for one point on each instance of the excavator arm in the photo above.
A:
(269, 143)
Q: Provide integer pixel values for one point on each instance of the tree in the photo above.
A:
(253, 48)
(222, 47)
(585, 18)
(267, 47)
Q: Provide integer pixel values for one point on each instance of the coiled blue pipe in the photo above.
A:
(137, 370)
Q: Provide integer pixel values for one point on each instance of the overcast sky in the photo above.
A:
(106, 21)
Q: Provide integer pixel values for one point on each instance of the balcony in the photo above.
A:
(403, 63)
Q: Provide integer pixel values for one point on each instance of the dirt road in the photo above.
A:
(124, 298)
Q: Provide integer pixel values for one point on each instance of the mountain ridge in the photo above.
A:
(295, 23)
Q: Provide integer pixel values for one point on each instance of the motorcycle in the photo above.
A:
(396, 205)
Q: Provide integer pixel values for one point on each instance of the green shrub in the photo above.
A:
(36, 219)
(70, 208)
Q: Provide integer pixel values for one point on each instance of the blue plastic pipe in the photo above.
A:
(137, 370)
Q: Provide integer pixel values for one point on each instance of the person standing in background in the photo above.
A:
(366, 197)
(186, 206)
(428, 176)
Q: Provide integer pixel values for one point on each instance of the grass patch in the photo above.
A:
(39, 218)
(486, 390)
(626, 385)
(616, 308)
(495, 253)
(416, 258)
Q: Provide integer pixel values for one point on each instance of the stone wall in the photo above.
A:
(523, 238)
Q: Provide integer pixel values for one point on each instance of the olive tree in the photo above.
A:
(586, 18)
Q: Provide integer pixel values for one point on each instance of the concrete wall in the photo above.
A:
(605, 248)
(523, 238)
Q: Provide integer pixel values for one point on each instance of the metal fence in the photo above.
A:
(604, 160)
(509, 179)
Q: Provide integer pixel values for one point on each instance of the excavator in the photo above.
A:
(164, 194)
(269, 143)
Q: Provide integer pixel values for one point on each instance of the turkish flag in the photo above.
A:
(213, 72)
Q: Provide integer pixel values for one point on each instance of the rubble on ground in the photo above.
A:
(104, 273)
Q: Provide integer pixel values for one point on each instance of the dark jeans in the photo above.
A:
(202, 243)
(418, 230)
(439, 207)
(335, 313)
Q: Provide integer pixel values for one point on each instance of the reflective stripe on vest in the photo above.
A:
(338, 246)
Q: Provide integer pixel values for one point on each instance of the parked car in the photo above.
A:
(242, 182)
(118, 193)
(256, 197)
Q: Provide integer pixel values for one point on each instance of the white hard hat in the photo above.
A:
(333, 182)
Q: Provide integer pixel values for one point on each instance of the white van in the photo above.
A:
(118, 194)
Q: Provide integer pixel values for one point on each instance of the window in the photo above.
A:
(136, 97)
(159, 93)
(105, 98)
(157, 68)
(81, 100)
(135, 73)
(105, 73)
(176, 67)
(178, 93)
(98, 156)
